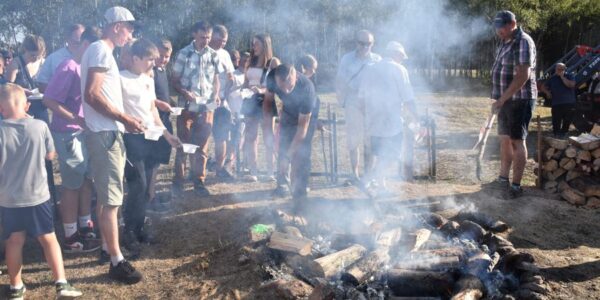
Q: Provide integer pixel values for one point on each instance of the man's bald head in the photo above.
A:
(12, 100)
(364, 42)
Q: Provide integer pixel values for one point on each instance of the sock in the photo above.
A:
(70, 229)
(61, 281)
(104, 247)
(502, 179)
(84, 221)
(115, 260)
(16, 287)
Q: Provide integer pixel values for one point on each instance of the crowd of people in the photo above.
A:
(105, 116)
(110, 126)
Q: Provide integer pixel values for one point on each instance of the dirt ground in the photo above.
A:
(200, 241)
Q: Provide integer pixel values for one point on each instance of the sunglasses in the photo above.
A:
(364, 44)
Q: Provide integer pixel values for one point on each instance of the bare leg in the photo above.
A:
(506, 155)
(251, 145)
(220, 153)
(14, 257)
(85, 198)
(109, 226)
(519, 159)
(69, 205)
(53, 255)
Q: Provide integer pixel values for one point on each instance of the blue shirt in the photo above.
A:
(561, 94)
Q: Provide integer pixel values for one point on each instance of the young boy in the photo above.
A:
(25, 208)
(63, 98)
(163, 151)
(139, 101)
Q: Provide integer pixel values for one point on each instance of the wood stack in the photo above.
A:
(572, 168)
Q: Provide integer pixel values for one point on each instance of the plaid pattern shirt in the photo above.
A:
(518, 51)
(196, 70)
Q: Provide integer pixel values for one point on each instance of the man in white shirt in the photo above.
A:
(222, 118)
(391, 104)
(72, 40)
(106, 121)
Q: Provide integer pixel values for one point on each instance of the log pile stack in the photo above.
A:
(572, 168)
(461, 255)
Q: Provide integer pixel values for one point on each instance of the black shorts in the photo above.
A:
(138, 148)
(388, 147)
(222, 124)
(514, 117)
(34, 220)
(162, 153)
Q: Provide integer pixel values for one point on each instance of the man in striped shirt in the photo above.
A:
(514, 89)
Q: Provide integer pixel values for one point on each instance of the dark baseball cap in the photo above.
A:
(504, 17)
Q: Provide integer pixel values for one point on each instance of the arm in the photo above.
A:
(171, 139)
(568, 83)
(268, 113)
(12, 70)
(176, 82)
(544, 88)
(216, 89)
(93, 96)
(523, 72)
(62, 111)
(303, 121)
(162, 105)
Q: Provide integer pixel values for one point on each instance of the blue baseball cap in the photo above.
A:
(503, 18)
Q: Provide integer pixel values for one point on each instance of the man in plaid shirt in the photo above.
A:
(195, 77)
(514, 89)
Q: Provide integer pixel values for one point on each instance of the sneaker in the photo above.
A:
(103, 258)
(131, 243)
(281, 191)
(124, 272)
(157, 207)
(223, 174)
(77, 243)
(66, 291)
(88, 231)
(199, 188)
(15, 294)
(498, 184)
(515, 192)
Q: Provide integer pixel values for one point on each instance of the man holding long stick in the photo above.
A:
(514, 89)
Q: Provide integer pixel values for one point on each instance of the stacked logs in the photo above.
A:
(572, 168)
(461, 256)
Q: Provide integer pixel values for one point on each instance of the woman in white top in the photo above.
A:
(261, 61)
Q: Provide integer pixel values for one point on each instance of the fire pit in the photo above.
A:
(409, 253)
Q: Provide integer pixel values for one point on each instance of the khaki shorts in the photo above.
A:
(72, 158)
(107, 165)
(355, 126)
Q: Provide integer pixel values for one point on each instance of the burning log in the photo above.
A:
(430, 263)
(389, 238)
(442, 252)
(418, 238)
(410, 283)
(468, 287)
(450, 229)
(366, 267)
(342, 241)
(479, 264)
(289, 243)
(509, 263)
(331, 265)
(286, 218)
(293, 231)
(471, 230)
(434, 220)
(322, 291)
(498, 244)
(483, 220)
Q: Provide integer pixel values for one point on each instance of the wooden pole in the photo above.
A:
(539, 152)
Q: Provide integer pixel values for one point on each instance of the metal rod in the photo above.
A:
(330, 142)
(335, 152)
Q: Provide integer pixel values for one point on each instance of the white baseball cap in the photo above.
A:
(118, 14)
(396, 47)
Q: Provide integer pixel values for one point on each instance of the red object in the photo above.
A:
(582, 50)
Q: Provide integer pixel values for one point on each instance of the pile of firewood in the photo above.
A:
(451, 254)
(572, 168)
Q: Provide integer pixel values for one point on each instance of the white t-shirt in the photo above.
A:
(51, 63)
(138, 94)
(227, 67)
(99, 55)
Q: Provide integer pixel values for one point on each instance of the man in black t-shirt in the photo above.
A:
(297, 93)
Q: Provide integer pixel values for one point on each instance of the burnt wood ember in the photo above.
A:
(366, 267)
(418, 238)
(430, 263)
(471, 230)
(468, 287)
(342, 241)
(440, 252)
(420, 283)
(331, 265)
(485, 221)
(451, 228)
(389, 238)
(510, 261)
(322, 290)
(293, 231)
(434, 220)
(498, 244)
(479, 264)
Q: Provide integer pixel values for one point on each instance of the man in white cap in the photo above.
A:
(106, 121)
(390, 104)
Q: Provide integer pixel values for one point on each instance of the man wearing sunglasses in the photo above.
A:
(349, 76)
(72, 36)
